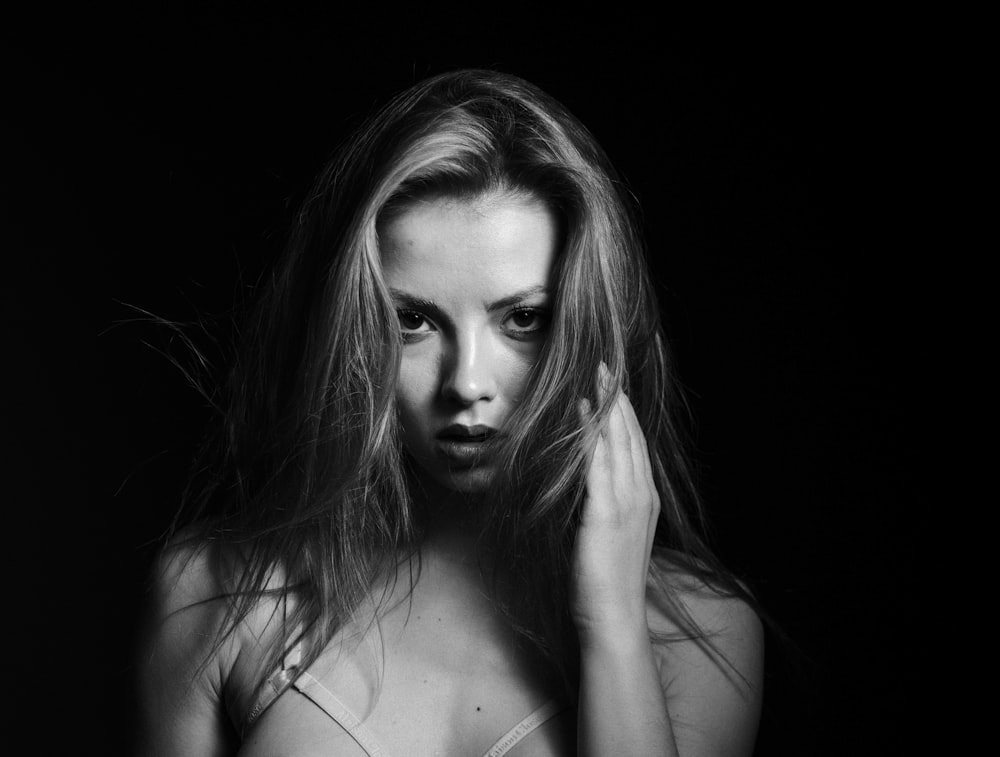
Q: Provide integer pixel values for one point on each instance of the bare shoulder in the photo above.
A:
(186, 662)
(185, 575)
(710, 656)
(188, 596)
(180, 670)
(679, 599)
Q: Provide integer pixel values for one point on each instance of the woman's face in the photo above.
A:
(472, 284)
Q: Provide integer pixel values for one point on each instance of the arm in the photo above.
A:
(713, 693)
(637, 698)
(622, 709)
(180, 698)
(677, 698)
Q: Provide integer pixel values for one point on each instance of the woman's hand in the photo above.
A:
(615, 536)
(623, 704)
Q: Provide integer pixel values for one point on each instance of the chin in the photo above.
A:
(475, 480)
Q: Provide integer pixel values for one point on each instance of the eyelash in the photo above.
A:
(522, 334)
(539, 314)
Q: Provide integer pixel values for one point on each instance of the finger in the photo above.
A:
(584, 412)
(600, 500)
(622, 450)
(616, 430)
(603, 380)
(607, 389)
(636, 439)
(640, 448)
(644, 469)
(589, 439)
(598, 478)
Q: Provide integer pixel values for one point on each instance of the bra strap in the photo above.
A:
(338, 712)
(543, 714)
(274, 687)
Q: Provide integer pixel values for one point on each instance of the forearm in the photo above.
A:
(622, 710)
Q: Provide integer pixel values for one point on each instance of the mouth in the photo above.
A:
(466, 434)
(465, 446)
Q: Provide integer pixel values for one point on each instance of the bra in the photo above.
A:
(289, 677)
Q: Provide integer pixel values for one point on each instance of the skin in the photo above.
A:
(466, 362)
(472, 282)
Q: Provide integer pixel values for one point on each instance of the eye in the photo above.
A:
(526, 322)
(412, 323)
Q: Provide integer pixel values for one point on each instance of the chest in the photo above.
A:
(429, 678)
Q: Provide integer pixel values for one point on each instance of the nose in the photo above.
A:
(469, 374)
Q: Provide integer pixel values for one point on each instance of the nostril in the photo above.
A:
(468, 371)
(466, 388)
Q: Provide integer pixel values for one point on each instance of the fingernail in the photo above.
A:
(603, 379)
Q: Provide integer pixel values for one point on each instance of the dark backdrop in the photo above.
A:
(154, 160)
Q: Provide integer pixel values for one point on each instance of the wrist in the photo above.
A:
(618, 641)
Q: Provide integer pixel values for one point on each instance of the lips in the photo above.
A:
(458, 432)
(464, 446)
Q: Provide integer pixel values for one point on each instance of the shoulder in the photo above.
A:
(181, 669)
(189, 596)
(187, 662)
(191, 586)
(715, 610)
(709, 650)
(185, 604)
(680, 602)
(185, 573)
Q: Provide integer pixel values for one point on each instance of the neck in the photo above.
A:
(454, 522)
(452, 552)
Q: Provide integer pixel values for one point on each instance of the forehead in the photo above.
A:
(449, 248)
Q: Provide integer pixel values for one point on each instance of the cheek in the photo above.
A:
(516, 370)
(414, 390)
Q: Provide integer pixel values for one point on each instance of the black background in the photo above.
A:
(154, 160)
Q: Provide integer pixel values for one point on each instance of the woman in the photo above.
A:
(445, 509)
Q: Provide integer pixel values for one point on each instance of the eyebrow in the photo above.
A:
(429, 306)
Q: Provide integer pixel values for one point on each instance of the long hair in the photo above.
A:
(305, 477)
